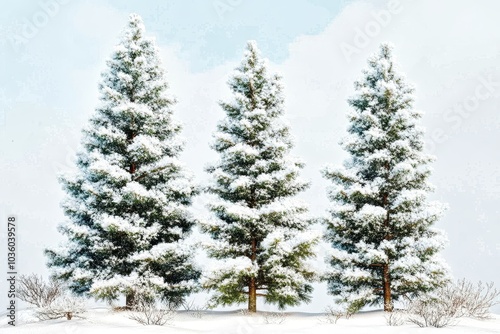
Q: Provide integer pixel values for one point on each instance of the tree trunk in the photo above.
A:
(252, 287)
(388, 307)
(252, 296)
(130, 300)
(387, 289)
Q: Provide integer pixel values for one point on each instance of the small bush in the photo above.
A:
(396, 317)
(34, 290)
(195, 310)
(466, 299)
(454, 301)
(274, 317)
(244, 311)
(333, 315)
(65, 306)
(430, 312)
(50, 298)
(147, 313)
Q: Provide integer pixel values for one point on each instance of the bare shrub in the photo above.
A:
(466, 299)
(430, 312)
(50, 298)
(188, 306)
(34, 290)
(147, 313)
(332, 314)
(195, 310)
(396, 317)
(274, 317)
(454, 301)
(65, 306)
(244, 311)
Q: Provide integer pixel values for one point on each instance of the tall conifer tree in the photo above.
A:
(128, 203)
(260, 233)
(384, 245)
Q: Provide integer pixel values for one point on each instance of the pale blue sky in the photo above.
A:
(48, 90)
(208, 31)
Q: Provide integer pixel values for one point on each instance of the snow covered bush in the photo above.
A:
(146, 312)
(445, 305)
(51, 299)
(381, 223)
(128, 203)
(430, 312)
(260, 234)
(274, 318)
(195, 310)
(244, 312)
(396, 317)
(334, 314)
(64, 306)
(467, 299)
(459, 299)
(35, 291)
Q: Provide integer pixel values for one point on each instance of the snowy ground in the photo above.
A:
(102, 320)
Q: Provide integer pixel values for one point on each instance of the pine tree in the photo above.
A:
(128, 202)
(384, 245)
(260, 234)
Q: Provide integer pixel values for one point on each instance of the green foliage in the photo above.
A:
(128, 203)
(260, 233)
(381, 218)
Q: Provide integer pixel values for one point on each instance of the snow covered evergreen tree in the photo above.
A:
(128, 203)
(260, 234)
(384, 245)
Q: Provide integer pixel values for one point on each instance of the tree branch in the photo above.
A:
(143, 175)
